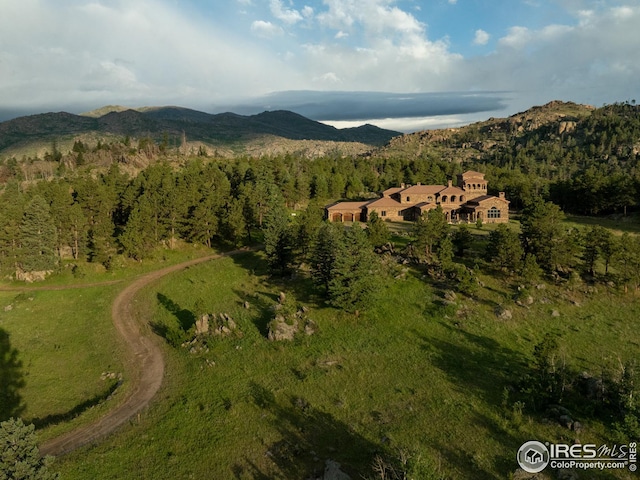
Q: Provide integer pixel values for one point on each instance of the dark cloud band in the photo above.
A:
(340, 105)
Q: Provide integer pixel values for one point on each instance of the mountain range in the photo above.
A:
(176, 124)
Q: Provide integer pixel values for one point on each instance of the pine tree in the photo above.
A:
(430, 229)
(377, 230)
(37, 237)
(544, 236)
(12, 201)
(19, 454)
(278, 237)
(356, 272)
(324, 254)
(462, 240)
(504, 249)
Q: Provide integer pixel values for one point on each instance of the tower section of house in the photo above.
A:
(473, 184)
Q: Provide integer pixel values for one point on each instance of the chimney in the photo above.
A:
(449, 183)
(419, 183)
(501, 195)
(402, 185)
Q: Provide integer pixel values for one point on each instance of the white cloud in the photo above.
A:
(328, 78)
(518, 37)
(390, 40)
(266, 29)
(453, 2)
(156, 52)
(596, 60)
(481, 37)
(286, 15)
(145, 52)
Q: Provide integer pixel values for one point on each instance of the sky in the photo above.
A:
(401, 64)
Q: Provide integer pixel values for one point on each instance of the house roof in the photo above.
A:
(452, 191)
(472, 174)
(386, 202)
(425, 206)
(347, 205)
(392, 190)
(485, 198)
(423, 189)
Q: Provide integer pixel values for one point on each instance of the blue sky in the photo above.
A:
(403, 64)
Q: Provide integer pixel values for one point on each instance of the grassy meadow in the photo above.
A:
(414, 378)
(65, 342)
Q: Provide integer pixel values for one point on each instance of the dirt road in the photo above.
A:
(145, 365)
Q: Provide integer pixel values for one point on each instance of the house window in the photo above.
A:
(408, 199)
(453, 198)
(493, 213)
(383, 213)
(444, 199)
(429, 198)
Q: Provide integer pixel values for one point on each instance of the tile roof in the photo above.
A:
(472, 174)
(484, 198)
(452, 191)
(387, 202)
(423, 189)
(347, 205)
(392, 190)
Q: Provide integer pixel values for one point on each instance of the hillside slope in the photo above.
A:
(176, 125)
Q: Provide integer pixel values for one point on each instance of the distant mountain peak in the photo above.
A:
(107, 109)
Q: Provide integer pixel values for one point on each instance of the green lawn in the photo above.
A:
(412, 375)
(65, 342)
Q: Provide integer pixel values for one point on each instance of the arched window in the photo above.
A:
(462, 199)
(493, 213)
(429, 198)
(484, 187)
(444, 199)
(453, 198)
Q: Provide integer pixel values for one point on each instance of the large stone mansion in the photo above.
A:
(464, 203)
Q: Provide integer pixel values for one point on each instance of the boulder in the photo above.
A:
(332, 471)
(450, 295)
(503, 313)
(202, 325)
(279, 329)
(30, 277)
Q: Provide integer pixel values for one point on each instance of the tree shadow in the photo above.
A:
(11, 379)
(186, 318)
(56, 418)
(483, 368)
(308, 437)
(478, 365)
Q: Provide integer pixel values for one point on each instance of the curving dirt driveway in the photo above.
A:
(145, 361)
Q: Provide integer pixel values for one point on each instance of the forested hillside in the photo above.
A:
(583, 159)
(129, 195)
